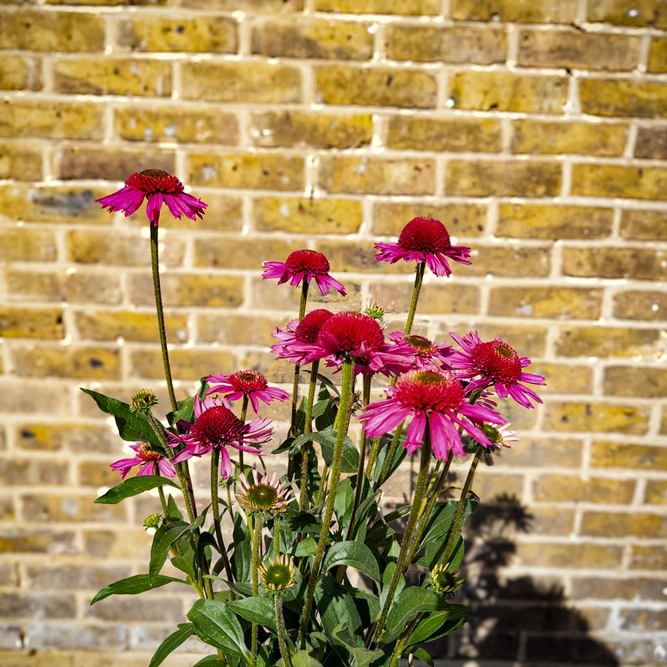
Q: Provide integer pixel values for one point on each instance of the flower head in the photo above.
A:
(494, 363)
(428, 355)
(435, 400)
(277, 575)
(444, 582)
(424, 240)
(299, 341)
(501, 436)
(159, 187)
(246, 383)
(148, 459)
(264, 494)
(304, 265)
(143, 401)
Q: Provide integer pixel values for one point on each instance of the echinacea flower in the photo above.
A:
(151, 462)
(264, 494)
(429, 356)
(159, 187)
(143, 401)
(277, 575)
(424, 240)
(246, 383)
(299, 340)
(444, 582)
(501, 436)
(304, 265)
(494, 363)
(435, 400)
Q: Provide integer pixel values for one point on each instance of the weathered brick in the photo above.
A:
(18, 396)
(571, 416)
(265, 295)
(619, 181)
(377, 86)
(242, 254)
(481, 135)
(164, 609)
(551, 520)
(185, 364)
(497, 486)
(236, 329)
(616, 524)
(189, 290)
(503, 178)
(357, 257)
(19, 72)
(569, 555)
(644, 225)
(7, 511)
(451, 44)
(68, 576)
(643, 620)
(30, 605)
(636, 263)
(508, 91)
(496, 260)
(606, 342)
(540, 452)
(604, 588)
(640, 305)
(638, 13)
(9, 575)
(212, 34)
(79, 508)
(571, 488)
(657, 59)
(130, 325)
(651, 143)
(528, 340)
(109, 164)
(553, 222)
(59, 636)
(20, 162)
(609, 454)
(556, 137)
(302, 128)
(97, 474)
(553, 302)
(648, 557)
(380, 176)
(656, 492)
(438, 299)
(563, 378)
(126, 249)
(125, 543)
(263, 172)
(307, 216)
(615, 97)
(32, 472)
(36, 30)
(312, 38)
(522, 11)
(72, 437)
(389, 218)
(17, 322)
(581, 648)
(635, 381)
(181, 125)
(576, 49)
(247, 82)
(409, 7)
(82, 362)
(17, 541)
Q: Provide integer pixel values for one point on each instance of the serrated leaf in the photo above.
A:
(354, 554)
(139, 583)
(217, 626)
(164, 537)
(256, 610)
(133, 487)
(407, 605)
(171, 643)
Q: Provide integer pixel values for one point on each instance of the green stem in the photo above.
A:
(280, 625)
(297, 367)
(390, 455)
(308, 427)
(400, 644)
(276, 538)
(215, 508)
(419, 279)
(244, 413)
(347, 382)
(256, 541)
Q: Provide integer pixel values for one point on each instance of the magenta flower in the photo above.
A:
(217, 426)
(151, 462)
(429, 356)
(435, 400)
(160, 188)
(299, 341)
(424, 240)
(304, 265)
(246, 383)
(494, 363)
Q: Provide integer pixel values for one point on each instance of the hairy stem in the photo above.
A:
(256, 542)
(419, 279)
(280, 624)
(215, 508)
(308, 427)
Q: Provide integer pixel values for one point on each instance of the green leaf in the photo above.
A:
(343, 502)
(422, 655)
(386, 581)
(439, 623)
(209, 661)
(368, 604)
(307, 547)
(327, 439)
(186, 562)
(442, 517)
(362, 655)
(164, 537)
(301, 522)
(173, 513)
(303, 659)
(337, 607)
(139, 583)
(407, 605)
(171, 643)
(354, 554)
(217, 626)
(241, 560)
(132, 487)
(256, 610)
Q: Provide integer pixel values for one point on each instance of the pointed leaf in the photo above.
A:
(407, 604)
(139, 583)
(132, 487)
(171, 643)
(362, 655)
(256, 610)
(327, 439)
(307, 547)
(209, 661)
(303, 659)
(337, 607)
(218, 626)
(354, 554)
(164, 537)
(422, 655)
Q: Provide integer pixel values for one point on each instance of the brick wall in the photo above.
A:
(534, 129)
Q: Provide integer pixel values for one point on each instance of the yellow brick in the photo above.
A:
(18, 396)
(185, 364)
(302, 128)
(358, 257)
(607, 454)
(184, 125)
(656, 492)
(639, 13)
(27, 245)
(551, 520)
(226, 253)
(657, 59)
(33, 472)
(236, 329)
(312, 38)
(496, 487)
(651, 143)
(569, 555)
(210, 34)
(444, 134)
(113, 76)
(503, 178)
(71, 361)
(523, 11)
(644, 225)
(389, 218)
(458, 44)
(619, 181)
(563, 378)
(648, 557)
(575, 49)
(436, 300)
(18, 322)
(409, 7)
(97, 474)
(21, 163)
(79, 508)
(73, 437)
(553, 222)
(615, 524)
(263, 172)
(36, 30)
(377, 86)
(644, 305)
(109, 164)
(570, 488)
(528, 340)
(132, 326)
(615, 97)
(19, 72)
(379, 176)
(635, 381)
(542, 452)
(636, 263)
(189, 290)
(247, 82)
(249, 6)
(552, 302)
(307, 216)
(606, 342)
(554, 138)
(570, 416)
(266, 294)
(508, 91)
(139, 3)
(510, 261)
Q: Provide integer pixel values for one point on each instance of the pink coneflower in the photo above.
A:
(494, 363)
(148, 459)
(217, 426)
(429, 356)
(435, 400)
(265, 494)
(299, 340)
(304, 265)
(160, 188)
(424, 240)
(246, 383)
